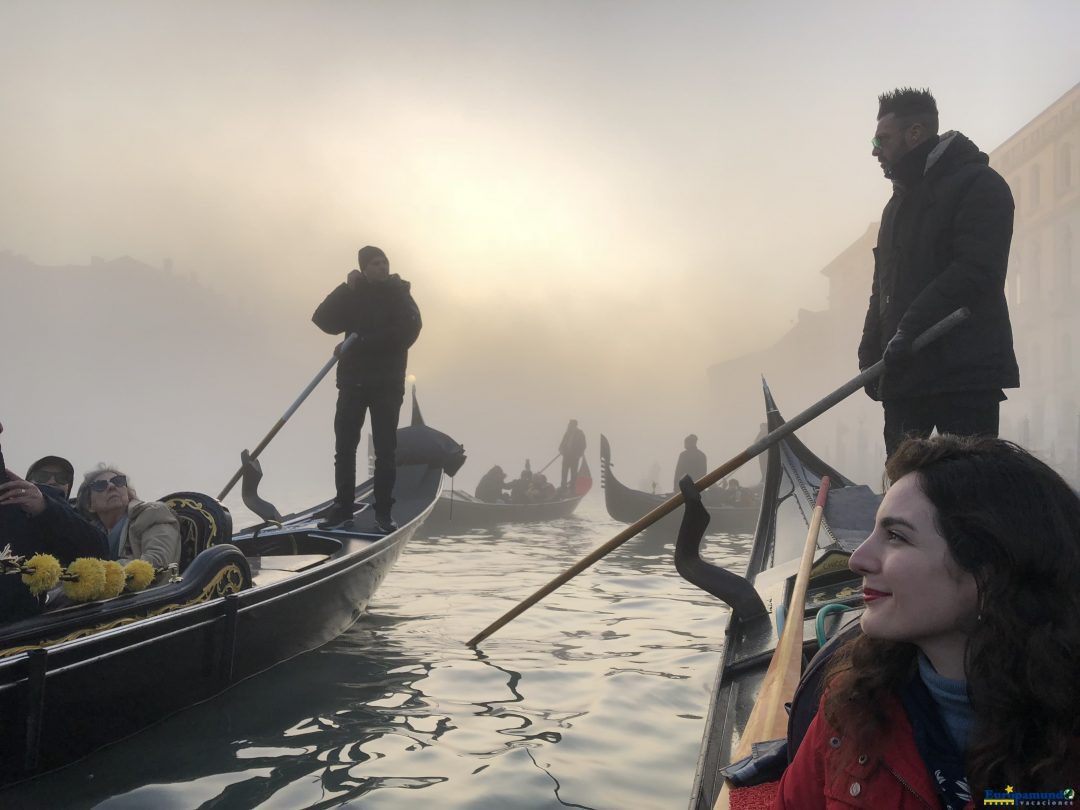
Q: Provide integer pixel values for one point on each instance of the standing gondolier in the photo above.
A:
(572, 448)
(379, 309)
(943, 244)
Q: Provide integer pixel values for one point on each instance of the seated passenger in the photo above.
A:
(53, 471)
(540, 489)
(35, 520)
(736, 494)
(519, 487)
(964, 677)
(491, 486)
(145, 530)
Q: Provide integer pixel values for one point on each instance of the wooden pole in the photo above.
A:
(768, 719)
(289, 412)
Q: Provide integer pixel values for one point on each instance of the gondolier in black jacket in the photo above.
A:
(943, 244)
(379, 309)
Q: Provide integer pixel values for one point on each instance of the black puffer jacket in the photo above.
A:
(386, 318)
(59, 531)
(944, 243)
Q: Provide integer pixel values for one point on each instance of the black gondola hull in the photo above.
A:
(630, 505)
(67, 689)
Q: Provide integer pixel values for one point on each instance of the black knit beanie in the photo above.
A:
(368, 253)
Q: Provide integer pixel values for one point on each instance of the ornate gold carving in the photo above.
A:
(230, 579)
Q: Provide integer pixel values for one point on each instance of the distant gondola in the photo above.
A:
(629, 505)
(459, 510)
(758, 599)
(80, 677)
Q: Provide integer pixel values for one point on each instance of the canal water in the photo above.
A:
(594, 698)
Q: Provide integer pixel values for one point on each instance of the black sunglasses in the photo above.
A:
(49, 477)
(102, 484)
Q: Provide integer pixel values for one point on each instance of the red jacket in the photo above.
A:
(895, 778)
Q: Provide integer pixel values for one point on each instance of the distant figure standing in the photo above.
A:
(378, 308)
(691, 462)
(572, 448)
(943, 244)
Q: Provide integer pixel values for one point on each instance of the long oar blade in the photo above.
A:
(758, 447)
(768, 719)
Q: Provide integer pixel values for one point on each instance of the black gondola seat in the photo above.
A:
(203, 523)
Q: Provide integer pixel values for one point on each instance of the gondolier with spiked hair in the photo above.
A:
(378, 307)
(943, 243)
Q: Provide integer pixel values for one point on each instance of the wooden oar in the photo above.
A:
(550, 462)
(768, 719)
(291, 410)
(725, 469)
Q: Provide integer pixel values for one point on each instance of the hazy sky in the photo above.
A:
(611, 189)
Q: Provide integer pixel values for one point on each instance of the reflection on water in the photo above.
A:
(594, 698)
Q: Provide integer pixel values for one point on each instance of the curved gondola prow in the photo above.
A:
(417, 417)
(605, 460)
(249, 489)
(730, 588)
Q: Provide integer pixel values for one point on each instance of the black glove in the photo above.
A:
(899, 350)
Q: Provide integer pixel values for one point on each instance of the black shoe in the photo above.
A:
(385, 522)
(338, 517)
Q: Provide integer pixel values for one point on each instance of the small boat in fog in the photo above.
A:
(459, 510)
(759, 597)
(630, 505)
(80, 677)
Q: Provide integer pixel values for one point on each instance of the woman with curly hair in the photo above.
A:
(146, 530)
(964, 678)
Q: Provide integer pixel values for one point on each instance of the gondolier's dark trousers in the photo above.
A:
(968, 413)
(385, 406)
(571, 465)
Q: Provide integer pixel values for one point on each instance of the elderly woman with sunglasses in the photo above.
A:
(146, 530)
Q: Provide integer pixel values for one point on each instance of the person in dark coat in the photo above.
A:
(572, 448)
(691, 461)
(491, 486)
(37, 519)
(519, 487)
(380, 310)
(943, 244)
